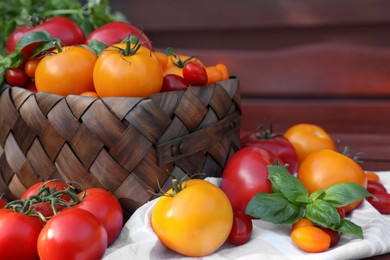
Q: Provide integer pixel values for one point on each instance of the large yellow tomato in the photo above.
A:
(194, 222)
(137, 73)
(325, 168)
(308, 138)
(66, 72)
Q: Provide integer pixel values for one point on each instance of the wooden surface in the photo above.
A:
(321, 62)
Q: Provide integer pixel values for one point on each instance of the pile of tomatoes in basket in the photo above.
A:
(116, 59)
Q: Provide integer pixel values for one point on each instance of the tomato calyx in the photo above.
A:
(34, 21)
(129, 50)
(355, 157)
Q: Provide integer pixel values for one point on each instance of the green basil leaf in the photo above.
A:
(342, 194)
(274, 208)
(348, 227)
(33, 37)
(323, 214)
(316, 195)
(282, 181)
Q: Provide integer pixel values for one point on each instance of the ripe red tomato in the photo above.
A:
(2, 203)
(106, 208)
(115, 32)
(334, 236)
(173, 82)
(65, 29)
(278, 144)
(18, 236)
(241, 230)
(375, 187)
(246, 174)
(73, 234)
(16, 77)
(380, 202)
(195, 73)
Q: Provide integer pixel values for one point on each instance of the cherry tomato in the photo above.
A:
(73, 234)
(372, 176)
(173, 82)
(2, 203)
(303, 222)
(324, 168)
(213, 74)
(241, 230)
(31, 86)
(375, 187)
(115, 32)
(380, 202)
(334, 236)
(16, 77)
(65, 29)
(18, 236)
(224, 71)
(106, 208)
(341, 212)
(195, 73)
(246, 174)
(175, 64)
(67, 72)
(308, 138)
(30, 67)
(311, 239)
(194, 222)
(135, 74)
(277, 144)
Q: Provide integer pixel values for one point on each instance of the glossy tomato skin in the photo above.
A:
(326, 167)
(73, 234)
(195, 73)
(106, 208)
(380, 202)
(246, 174)
(16, 77)
(241, 230)
(173, 82)
(115, 32)
(67, 72)
(18, 236)
(196, 221)
(277, 144)
(59, 27)
(137, 75)
(311, 239)
(375, 187)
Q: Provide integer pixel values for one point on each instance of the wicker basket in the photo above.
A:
(125, 145)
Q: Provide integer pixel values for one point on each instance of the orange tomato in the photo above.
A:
(308, 138)
(303, 222)
(311, 239)
(162, 58)
(213, 74)
(90, 94)
(372, 176)
(66, 72)
(326, 167)
(31, 66)
(224, 71)
(137, 74)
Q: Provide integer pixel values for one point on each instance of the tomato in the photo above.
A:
(195, 73)
(372, 176)
(324, 168)
(106, 208)
(224, 71)
(195, 221)
(2, 203)
(175, 64)
(380, 202)
(246, 174)
(163, 58)
(241, 230)
(334, 236)
(30, 67)
(115, 32)
(31, 86)
(341, 212)
(67, 72)
(303, 222)
(375, 187)
(16, 77)
(92, 94)
(173, 82)
(73, 234)
(18, 236)
(59, 27)
(135, 74)
(213, 74)
(311, 239)
(308, 138)
(277, 144)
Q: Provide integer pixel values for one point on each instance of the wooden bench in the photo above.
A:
(296, 63)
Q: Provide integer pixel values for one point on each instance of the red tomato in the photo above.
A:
(334, 236)
(173, 82)
(278, 144)
(195, 73)
(375, 187)
(18, 236)
(380, 202)
(16, 77)
(65, 29)
(241, 230)
(115, 32)
(2, 203)
(106, 208)
(341, 212)
(73, 234)
(246, 174)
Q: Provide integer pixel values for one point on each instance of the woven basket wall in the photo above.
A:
(125, 145)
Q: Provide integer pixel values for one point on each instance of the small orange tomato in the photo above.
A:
(90, 94)
(224, 71)
(213, 74)
(311, 239)
(303, 222)
(308, 138)
(372, 176)
(30, 67)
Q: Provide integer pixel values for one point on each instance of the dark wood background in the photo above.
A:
(320, 62)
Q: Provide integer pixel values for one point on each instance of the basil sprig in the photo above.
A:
(290, 201)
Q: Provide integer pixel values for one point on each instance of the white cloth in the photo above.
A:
(269, 241)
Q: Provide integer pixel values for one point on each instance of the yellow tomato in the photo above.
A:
(137, 74)
(194, 222)
(175, 64)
